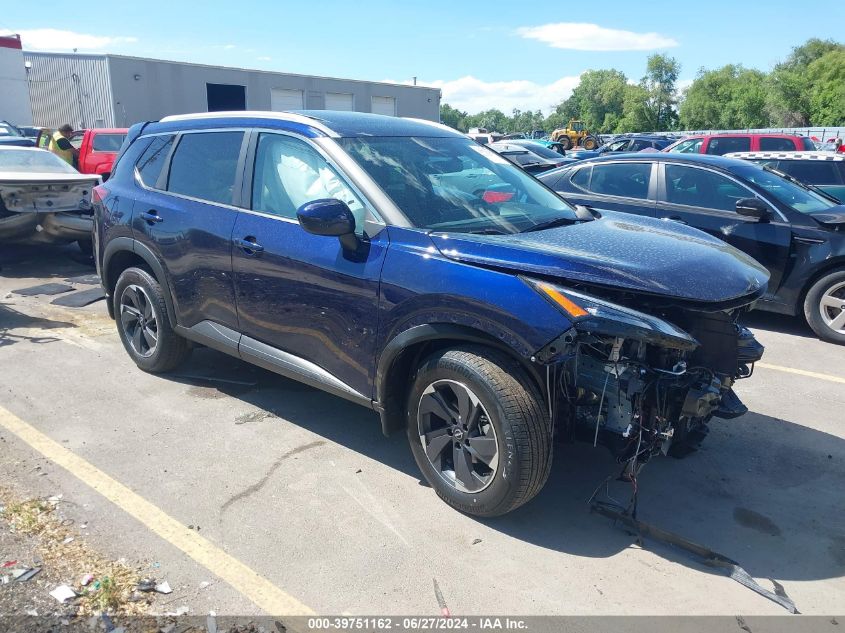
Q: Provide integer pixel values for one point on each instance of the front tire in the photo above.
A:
(824, 307)
(565, 142)
(479, 430)
(143, 324)
(590, 143)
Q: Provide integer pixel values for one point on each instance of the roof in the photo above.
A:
(673, 157)
(744, 134)
(311, 123)
(787, 156)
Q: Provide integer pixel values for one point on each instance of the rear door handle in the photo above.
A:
(151, 216)
(249, 245)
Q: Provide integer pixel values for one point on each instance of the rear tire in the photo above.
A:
(143, 324)
(589, 143)
(465, 405)
(824, 307)
(565, 142)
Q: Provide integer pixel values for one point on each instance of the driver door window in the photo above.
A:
(696, 187)
(289, 173)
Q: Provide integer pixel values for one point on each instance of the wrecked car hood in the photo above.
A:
(618, 250)
(832, 216)
(23, 192)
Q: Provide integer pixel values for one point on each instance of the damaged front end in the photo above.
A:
(642, 384)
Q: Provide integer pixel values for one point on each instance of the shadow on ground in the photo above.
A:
(763, 491)
(785, 324)
(13, 321)
(43, 262)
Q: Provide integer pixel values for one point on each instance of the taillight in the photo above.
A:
(98, 194)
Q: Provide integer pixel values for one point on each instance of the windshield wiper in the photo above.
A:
(550, 224)
(489, 232)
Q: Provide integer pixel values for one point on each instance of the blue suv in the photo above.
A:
(400, 265)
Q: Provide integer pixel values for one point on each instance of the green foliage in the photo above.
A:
(807, 88)
(731, 97)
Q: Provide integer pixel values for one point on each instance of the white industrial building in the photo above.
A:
(116, 91)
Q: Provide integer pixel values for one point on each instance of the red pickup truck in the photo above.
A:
(97, 149)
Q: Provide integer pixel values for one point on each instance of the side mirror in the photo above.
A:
(330, 217)
(752, 208)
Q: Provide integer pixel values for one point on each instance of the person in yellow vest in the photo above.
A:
(60, 144)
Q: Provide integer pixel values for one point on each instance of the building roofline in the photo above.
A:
(216, 67)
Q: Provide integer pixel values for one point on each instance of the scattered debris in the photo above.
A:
(80, 299)
(43, 289)
(476, 541)
(91, 279)
(204, 584)
(68, 539)
(164, 587)
(183, 610)
(9, 563)
(441, 602)
(358, 471)
(26, 574)
(211, 622)
(63, 593)
(86, 580)
(254, 416)
(214, 379)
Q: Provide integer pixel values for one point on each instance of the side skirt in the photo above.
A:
(229, 341)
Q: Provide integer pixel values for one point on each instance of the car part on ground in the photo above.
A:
(796, 232)
(401, 266)
(43, 200)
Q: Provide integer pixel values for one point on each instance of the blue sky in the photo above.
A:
(481, 54)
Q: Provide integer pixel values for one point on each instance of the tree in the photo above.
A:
(636, 116)
(791, 90)
(731, 97)
(598, 100)
(452, 117)
(661, 99)
(827, 77)
(494, 120)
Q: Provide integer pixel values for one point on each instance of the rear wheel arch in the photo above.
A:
(403, 354)
(124, 252)
(837, 265)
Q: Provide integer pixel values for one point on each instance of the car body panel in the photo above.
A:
(736, 142)
(92, 160)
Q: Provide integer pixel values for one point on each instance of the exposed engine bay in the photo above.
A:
(652, 389)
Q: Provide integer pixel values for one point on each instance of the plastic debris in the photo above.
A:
(183, 610)
(211, 622)
(107, 623)
(476, 541)
(63, 593)
(204, 584)
(67, 540)
(26, 574)
(86, 580)
(147, 584)
(31, 612)
(9, 563)
(164, 587)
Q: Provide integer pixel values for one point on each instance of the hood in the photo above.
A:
(833, 215)
(642, 255)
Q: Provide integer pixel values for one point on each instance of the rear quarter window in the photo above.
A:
(151, 162)
(581, 178)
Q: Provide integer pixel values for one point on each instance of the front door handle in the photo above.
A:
(249, 245)
(151, 217)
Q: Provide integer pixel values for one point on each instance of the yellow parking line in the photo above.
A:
(802, 372)
(255, 587)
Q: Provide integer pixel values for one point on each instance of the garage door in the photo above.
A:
(339, 101)
(384, 105)
(283, 99)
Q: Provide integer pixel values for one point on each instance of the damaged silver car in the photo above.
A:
(43, 200)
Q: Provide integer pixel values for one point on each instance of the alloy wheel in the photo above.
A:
(138, 320)
(832, 306)
(457, 436)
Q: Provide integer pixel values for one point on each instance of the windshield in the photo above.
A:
(790, 193)
(31, 160)
(541, 150)
(454, 184)
(8, 130)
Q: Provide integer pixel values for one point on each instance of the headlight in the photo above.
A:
(594, 315)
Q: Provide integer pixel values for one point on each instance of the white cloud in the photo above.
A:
(583, 36)
(264, 59)
(474, 95)
(683, 84)
(59, 40)
(229, 47)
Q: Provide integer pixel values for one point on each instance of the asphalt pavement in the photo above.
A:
(295, 495)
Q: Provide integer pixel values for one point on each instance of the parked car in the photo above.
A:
(825, 171)
(481, 135)
(549, 145)
(526, 158)
(349, 251)
(795, 232)
(720, 144)
(29, 131)
(549, 156)
(11, 135)
(625, 143)
(43, 199)
(97, 149)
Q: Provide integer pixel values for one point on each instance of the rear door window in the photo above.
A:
(629, 180)
(151, 162)
(581, 178)
(697, 187)
(724, 144)
(205, 166)
(775, 144)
